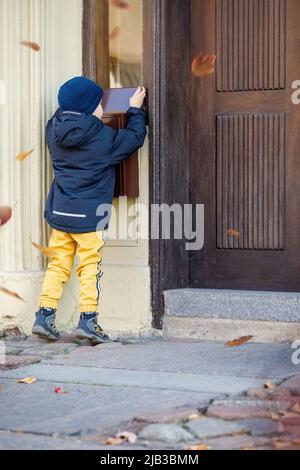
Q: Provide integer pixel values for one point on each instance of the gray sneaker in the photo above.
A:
(88, 328)
(44, 325)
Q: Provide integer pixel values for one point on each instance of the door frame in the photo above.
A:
(166, 29)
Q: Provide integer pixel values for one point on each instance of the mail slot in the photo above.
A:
(115, 104)
(127, 172)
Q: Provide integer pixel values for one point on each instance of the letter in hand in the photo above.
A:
(137, 100)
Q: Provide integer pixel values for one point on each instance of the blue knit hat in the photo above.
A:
(80, 95)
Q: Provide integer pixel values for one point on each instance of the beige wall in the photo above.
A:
(31, 80)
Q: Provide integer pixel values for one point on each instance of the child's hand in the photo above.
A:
(137, 100)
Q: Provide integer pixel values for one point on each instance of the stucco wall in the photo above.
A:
(31, 80)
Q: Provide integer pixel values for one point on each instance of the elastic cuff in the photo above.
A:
(88, 308)
(133, 110)
(50, 304)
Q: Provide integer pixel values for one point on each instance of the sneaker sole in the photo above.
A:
(37, 331)
(80, 334)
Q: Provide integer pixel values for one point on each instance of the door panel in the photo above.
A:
(244, 162)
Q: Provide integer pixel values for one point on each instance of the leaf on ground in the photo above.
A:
(122, 4)
(11, 293)
(23, 155)
(239, 342)
(195, 416)
(201, 447)
(203, 65)
(231, 232)
(296, 408)
(112, 441)
(32, 45)
(27, 380)
(45, 250)
(115, 33)
(127, 436)
(269, 386)
(5, 215)
(59, 391)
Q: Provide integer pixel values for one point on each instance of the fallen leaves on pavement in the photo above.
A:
(239, 342)
(10, 293)
(27, 380)
(121, 438)
(201, 447)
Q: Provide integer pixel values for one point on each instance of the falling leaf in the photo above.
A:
(269, 386)
(112, 441)
(127, 436)
(23, 155)
(122, 4)
(296, 408)
(59, 391)
(5, 215)
(115, 33)
(239, 342)
(233, 233)
(46, 251)
(201, 447)
(32, 45)
(10, 293)
(203, 65)
(27, 380)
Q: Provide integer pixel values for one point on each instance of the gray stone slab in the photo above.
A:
(209, 384)
(242, 305)
(168, 433)
(195, 357)
(259, 427)
(83, 409)
(20, 441)
(208, 427)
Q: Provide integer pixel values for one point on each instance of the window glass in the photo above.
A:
(125, 42)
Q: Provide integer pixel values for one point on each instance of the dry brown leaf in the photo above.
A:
(127, 436)
(122, 4)
(231, 232)
(201, 447)
(115, 33)
(112, 441)
(27, 380)
(203, 65)
(45, 250)
(11, 293)
(23, 155)
(194, 416)
(239, 342)
(5, 215)
(32, 45)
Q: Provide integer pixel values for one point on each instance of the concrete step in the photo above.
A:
(215, 314)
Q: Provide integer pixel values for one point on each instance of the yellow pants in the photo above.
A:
(88, 247)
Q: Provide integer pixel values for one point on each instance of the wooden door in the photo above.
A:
(245, 144)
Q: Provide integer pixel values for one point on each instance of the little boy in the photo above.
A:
(84, 155)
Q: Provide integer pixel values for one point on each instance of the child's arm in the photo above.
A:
(129, 140)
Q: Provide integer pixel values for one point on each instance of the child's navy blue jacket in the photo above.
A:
(84, 154)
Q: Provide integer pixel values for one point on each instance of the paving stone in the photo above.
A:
(238, 442)
(274, 406)
(208, 427)
(293, 385)
(171, 416)
(233, 412)
(291, 420)
(259, 427)
(293, 431)
(169, 433)
(260, 393)
(14, 362)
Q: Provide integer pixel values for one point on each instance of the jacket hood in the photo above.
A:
(74, 130)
